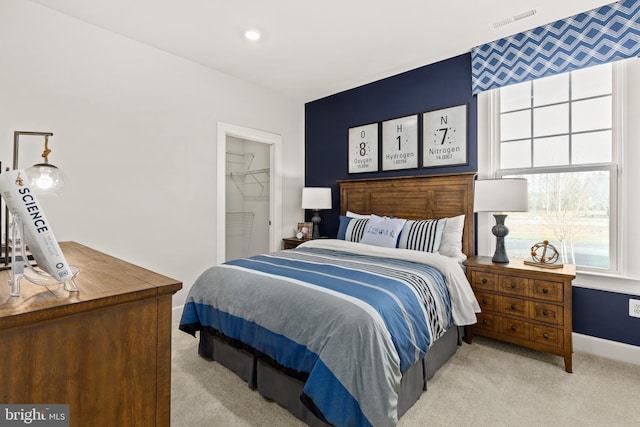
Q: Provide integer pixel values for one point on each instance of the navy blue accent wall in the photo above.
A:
(605, 315)
(327, 122)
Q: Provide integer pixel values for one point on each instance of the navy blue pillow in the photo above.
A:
(342, 229)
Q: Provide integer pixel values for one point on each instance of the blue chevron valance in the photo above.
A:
(602, 35)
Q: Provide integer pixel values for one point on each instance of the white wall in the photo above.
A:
(135, 131)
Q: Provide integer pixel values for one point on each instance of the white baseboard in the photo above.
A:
(176, 313)
(606, 348)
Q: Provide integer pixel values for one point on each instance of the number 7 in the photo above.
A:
(444, 135)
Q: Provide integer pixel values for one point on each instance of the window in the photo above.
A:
(559, 133)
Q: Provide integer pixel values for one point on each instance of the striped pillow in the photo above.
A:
(352, 229)
(423, 235)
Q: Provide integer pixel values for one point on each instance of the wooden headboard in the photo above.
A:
(414, 197)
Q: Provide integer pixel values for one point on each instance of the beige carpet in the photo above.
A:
(487, 383)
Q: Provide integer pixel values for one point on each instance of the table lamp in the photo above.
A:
(501, 195)
(316, 198)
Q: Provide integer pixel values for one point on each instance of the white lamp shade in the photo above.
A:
(316, 198)
(501, 195)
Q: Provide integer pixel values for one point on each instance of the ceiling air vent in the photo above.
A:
(512, 19)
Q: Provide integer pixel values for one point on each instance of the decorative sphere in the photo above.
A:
(544, 253)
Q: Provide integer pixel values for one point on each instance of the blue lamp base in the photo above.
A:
(500, 231)
(316, 224)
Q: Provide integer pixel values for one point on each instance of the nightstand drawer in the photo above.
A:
(488, 302)
(513, 285)
(547, 336)
(483, 280)
(514, 306)
(486, 322)
(550, 291)
(514, 328)
(547, 313)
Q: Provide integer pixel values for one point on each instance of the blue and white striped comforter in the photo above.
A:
(353, 322)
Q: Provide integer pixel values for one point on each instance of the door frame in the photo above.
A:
(275, 181)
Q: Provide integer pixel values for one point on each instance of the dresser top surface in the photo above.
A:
(103, 280)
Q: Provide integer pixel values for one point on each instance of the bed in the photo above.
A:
(337, 331)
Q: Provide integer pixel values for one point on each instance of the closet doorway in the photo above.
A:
(248, 192)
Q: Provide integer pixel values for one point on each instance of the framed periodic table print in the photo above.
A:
(363, 148)
(444, 137)
(400, 143)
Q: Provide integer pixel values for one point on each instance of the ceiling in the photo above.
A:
(310, 50)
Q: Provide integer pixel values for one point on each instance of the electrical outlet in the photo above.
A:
(634, 307)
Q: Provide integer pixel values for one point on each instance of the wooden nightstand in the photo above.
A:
(524, 305)
(292, 242)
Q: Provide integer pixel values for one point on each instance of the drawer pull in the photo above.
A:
(513, 306)
(545, 336)
(545, 291)
(513, 328)
(484, 321)
(484, 301)
(484, 281)
(513, 286)
(545, 313)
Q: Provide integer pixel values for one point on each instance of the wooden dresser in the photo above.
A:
(522, 304)
(105, 351)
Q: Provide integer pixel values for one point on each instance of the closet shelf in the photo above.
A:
(243, 158)
(252, 183)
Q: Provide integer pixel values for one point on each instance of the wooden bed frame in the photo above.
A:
(416, 197)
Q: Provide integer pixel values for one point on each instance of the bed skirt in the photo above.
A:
(284, 389)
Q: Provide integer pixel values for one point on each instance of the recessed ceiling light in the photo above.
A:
(252, 35)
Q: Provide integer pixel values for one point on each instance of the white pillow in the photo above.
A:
(382, 231)
(451, 241)
(356, 215)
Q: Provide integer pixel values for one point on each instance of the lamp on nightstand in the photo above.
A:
(501, 195)
(316, 198)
